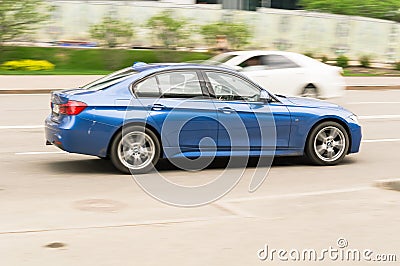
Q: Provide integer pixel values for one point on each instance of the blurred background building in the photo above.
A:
(252, 5)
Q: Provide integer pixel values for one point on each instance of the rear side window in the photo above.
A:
(147, 88)
(220, 59)
(179, 84)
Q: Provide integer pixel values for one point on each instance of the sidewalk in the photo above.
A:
(372, 83)
(43, 84)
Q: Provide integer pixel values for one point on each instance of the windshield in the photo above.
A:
(219, 59)
(110, 79)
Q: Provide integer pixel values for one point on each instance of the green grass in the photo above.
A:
(89, 71)
(350, 74)
(70, 61)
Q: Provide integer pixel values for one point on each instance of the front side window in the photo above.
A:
(252, 61)
(179, 84)
(278, 61)
(228, 87)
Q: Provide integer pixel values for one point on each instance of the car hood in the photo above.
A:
(308, 102)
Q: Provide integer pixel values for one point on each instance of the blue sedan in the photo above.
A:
(146, 112)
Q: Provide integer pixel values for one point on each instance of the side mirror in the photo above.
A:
(264, 96)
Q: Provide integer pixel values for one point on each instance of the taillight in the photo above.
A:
(72, 107)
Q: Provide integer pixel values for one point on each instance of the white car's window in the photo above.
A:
(147, 88)
(179, 84)
(231, 88)
(219, 59)
(253, 61)
(278, 61)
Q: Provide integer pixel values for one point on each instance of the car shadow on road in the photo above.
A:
(100, 166)
(252, 162)
(92, 165)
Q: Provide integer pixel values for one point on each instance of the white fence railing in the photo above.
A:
(299, 31)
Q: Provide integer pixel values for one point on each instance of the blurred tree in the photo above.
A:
(342, 61)
(111, 31)
(383, 9)
(20, 17)
(238, 34)
(167, 29)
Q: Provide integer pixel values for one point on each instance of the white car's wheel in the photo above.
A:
(310, 91)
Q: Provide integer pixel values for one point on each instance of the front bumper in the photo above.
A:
(356, 136)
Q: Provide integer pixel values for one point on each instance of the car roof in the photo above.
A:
(300, 59)
(152, 68)
(261, 52)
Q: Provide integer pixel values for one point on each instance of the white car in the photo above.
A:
(286, 73)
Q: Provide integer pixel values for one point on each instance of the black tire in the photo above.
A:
(116, 152)
(331, 150)
(310, 91)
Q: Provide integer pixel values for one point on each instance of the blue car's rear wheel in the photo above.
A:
(135, 150)
(327, 143)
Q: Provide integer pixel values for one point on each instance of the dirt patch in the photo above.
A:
(389, 184)
(99, 205)
(55, 245)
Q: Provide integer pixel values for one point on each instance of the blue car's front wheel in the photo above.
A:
(135, 150)
(327, 143)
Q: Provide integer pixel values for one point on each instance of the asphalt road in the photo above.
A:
(66, 209)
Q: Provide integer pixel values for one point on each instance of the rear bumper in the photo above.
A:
(78, 135)
(59, 136)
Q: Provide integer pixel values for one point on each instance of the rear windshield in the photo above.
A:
(110, 79)
(219, 59)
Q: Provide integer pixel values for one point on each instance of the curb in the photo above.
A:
(27, 91)
(372, 87)
(42, 91)
(390, 184)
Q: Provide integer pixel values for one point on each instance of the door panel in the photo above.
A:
(252, 124)
(237, 128)
(280, 81)
(183, 112)
(282, 119)
(244, 121)
(186, 122)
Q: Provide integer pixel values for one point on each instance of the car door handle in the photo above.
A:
(226, 110)
(157, 107)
